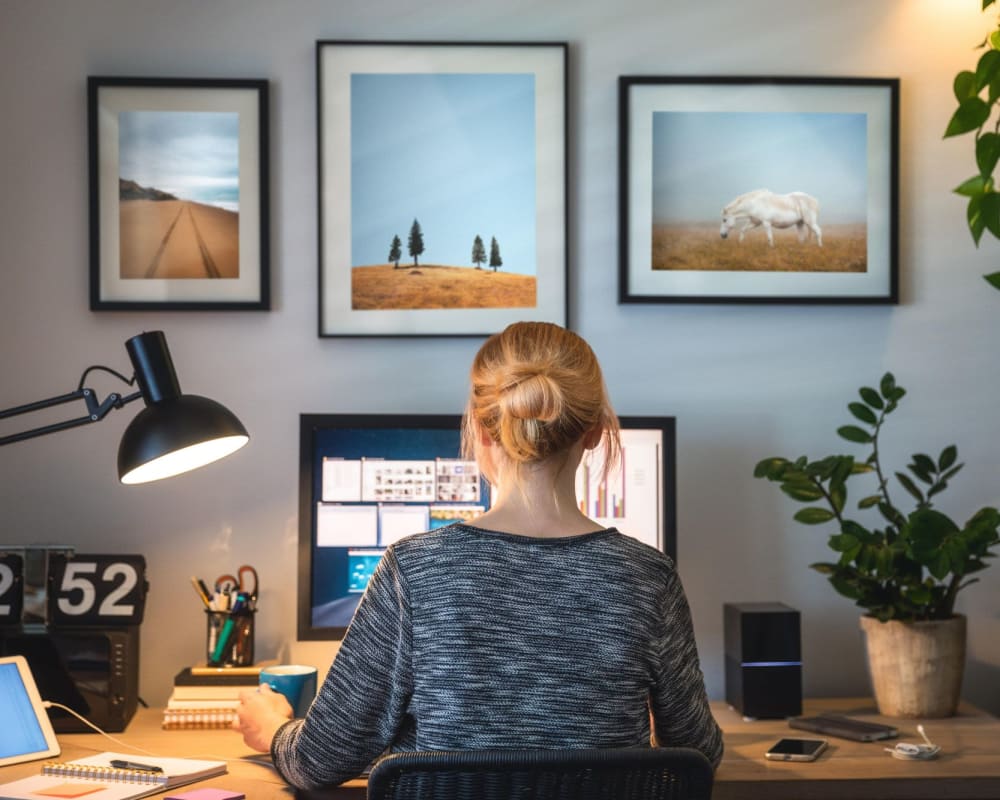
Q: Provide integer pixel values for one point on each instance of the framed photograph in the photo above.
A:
(758, 189)
(442, 187)
(178, 194)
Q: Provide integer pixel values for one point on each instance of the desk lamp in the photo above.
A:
(174, 433)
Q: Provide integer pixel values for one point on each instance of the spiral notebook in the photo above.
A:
(93, 778)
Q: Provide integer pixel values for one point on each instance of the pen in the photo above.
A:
(201, 594)
(119, 764)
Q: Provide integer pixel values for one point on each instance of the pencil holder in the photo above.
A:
(229, 638)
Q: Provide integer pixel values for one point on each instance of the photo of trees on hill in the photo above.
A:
(441, 164)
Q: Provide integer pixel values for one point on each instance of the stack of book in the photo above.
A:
(207, 697)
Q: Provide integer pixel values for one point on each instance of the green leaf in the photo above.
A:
(973, 187)
(842, 542)
(947, 476)
(974, 216)
(970, 115)
(843, 469)
(803, 492)
(887, 384)
(947, 457)
(824, 567)
(854, 434)
(923, 467)
(990, 211)
(845, 588)
(838, 496)
(988, 68)
(964, 85)
(939, 566)
(813, 515)
(993, 279)
(770, 468)
(928, 530)
(910, 486)
(988, 3)
(868, 502)
(987, 153)
(870, 396)
(863, 413)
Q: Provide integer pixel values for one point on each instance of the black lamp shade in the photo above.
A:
(175, 432)
(177, 435)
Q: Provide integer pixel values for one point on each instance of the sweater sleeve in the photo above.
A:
(363, 700)
(678, 699)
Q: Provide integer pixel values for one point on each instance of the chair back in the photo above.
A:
(633, 773)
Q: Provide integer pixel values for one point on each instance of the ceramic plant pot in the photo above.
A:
(916, 667)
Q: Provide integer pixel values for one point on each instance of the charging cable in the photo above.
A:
(105, 734)
(915, 752)
(85, 721)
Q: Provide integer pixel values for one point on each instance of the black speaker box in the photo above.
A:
(763, 644)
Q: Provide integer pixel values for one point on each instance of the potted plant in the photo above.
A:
(905, 569)
(978, 96)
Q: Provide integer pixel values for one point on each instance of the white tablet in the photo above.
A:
(26, 733)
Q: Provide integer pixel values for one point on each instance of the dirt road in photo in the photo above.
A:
(177, 239)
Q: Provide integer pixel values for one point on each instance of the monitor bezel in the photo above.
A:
(310, 423)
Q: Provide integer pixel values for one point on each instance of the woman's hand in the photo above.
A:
(259, 715)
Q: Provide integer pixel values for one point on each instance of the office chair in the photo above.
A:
(634, 773)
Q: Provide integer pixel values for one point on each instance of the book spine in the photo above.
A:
(99, 773)
(198, 719)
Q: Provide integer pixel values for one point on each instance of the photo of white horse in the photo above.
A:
(764, 208)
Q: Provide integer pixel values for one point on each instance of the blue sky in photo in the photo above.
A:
(455, 152)
(191, 154)
(703, 160)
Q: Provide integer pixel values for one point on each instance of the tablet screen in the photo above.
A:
(26, 733)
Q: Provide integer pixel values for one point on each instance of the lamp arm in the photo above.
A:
(96, 410)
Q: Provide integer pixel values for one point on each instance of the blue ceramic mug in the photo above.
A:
(296, 682)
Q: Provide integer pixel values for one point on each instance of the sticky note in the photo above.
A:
(71, 789)
(207, 793)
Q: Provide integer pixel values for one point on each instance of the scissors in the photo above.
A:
(226, 583)
(247, 582)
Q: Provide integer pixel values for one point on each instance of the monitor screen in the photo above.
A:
(367, 480)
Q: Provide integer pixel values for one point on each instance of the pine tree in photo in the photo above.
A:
(495, 261)
(415, 244)
(478, 252)
(395, 252)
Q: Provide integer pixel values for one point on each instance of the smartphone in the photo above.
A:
(796, 749)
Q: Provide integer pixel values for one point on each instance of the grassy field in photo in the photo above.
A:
(699, 247)
(382, 287)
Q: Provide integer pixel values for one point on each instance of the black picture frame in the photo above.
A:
(692, 147)
(481, 159)
(179, 194)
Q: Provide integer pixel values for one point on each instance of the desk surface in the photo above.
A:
(968, 768)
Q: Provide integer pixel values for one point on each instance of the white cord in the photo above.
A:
(915, 752)
(85, 721)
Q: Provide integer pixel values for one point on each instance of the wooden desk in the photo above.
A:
(967, 769)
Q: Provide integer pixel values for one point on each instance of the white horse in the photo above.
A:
(764, 207)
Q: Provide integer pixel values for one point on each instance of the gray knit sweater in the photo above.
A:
(468, 638)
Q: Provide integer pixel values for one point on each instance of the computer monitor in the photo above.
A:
(367, 480)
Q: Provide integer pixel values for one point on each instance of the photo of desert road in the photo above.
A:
(166, 239)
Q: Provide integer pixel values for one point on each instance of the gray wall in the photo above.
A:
(744, 382)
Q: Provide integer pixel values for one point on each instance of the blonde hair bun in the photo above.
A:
(537, 389)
